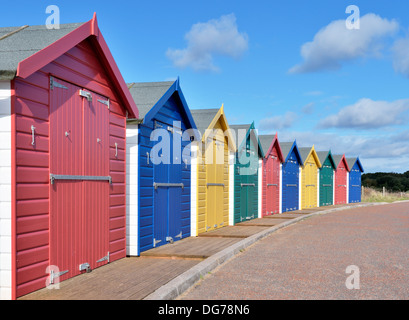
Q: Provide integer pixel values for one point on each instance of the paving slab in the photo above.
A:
(234, 231)
(192, 248)
(284, 216)
(263, 222)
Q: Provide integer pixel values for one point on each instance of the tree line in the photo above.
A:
(391, 181)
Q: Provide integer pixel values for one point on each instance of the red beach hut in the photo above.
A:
(63, 104)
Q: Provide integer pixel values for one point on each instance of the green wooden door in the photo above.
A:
(246, 184)
(326, 183)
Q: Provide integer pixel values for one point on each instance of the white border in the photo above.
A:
(193, 190)
(260, 186)
(132, 210)
(231, 188)
(5, 191)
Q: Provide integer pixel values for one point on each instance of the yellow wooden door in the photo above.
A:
(308, 185)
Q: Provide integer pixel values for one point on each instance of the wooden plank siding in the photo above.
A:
(80, 66)
(204, 177)
(168, 114)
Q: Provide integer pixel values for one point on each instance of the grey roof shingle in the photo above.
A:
(351, 162)
(322, 155)
(239, 131)
(285, 148)
(19, 43)
(304, 152)
(266, 141)
(147, 94)
(337, 159)
(203, 118)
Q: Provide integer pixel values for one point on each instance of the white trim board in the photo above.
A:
(5, 191)
(132, 210)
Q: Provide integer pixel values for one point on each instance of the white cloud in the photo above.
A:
(335, 44)
(314, 93)
(400, 51)
(278, 122)
(381, 153)
(369, 114)
(308, 108)
(204, 40)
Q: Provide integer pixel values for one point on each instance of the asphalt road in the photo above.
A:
(310, 260)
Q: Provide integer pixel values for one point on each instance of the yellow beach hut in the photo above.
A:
(212, 169)
(309, 189)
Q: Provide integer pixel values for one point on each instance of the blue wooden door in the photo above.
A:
(355, 184)
(290, 184)
(175, 192)
(167, 192)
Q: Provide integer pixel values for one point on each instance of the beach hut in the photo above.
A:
(341, 180)
(290, 176)
(212, 156)
(326, 178)
(354, 180)
(158, 168)
(271, 175)
(309, 178)
(246, 173)
(63, 107)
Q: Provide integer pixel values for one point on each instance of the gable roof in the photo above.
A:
(306, 152)
(19, 43)
(25, 50)
(338, 158)
(268, 142)
(238, 130)
(151, 96)
(323, 155)
(207, 118)
(203, 118)
(147, 94)
(287, 148)
(351, 162)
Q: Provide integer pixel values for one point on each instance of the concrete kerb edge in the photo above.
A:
(187, 279)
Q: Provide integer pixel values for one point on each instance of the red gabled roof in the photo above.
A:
(91, 30)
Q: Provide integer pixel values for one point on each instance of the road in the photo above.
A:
(310, 260)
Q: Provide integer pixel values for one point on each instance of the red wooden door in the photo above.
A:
(79, 148)
(341, 184)
(272, 184)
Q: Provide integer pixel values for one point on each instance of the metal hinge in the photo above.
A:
(55, 275)
(85, 266)
(85, 94)
(179, 235)
(106, 258)
(106, 102)
(54, 84)
(174, 130)
(155, 242)
(157, 125)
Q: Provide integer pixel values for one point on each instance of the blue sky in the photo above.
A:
(291, 66)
